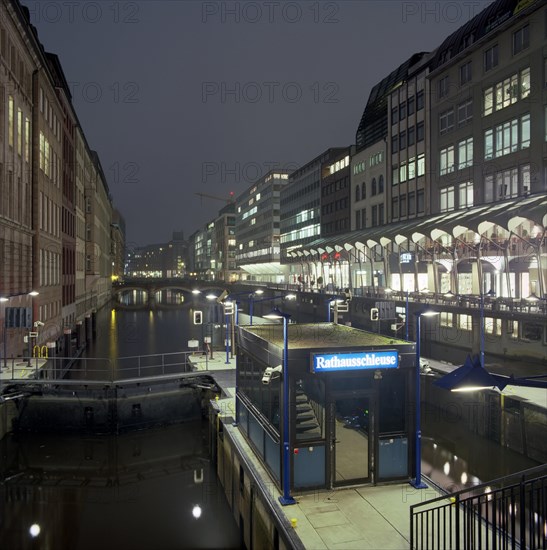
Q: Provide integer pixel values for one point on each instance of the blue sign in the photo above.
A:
(361, 360)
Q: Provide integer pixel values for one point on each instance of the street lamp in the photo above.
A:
(417, 481)
(471, 376)
(286, 498)
(32, 294)
(280, 297)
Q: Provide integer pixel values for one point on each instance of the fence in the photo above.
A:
(89, 369)
(510, 512)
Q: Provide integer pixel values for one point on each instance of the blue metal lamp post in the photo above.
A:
(417, 481)
(271, 299)
(286, 498)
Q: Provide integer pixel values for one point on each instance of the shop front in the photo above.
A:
(350, 408)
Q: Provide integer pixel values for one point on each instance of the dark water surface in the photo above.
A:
(140, 490)
(151, 489)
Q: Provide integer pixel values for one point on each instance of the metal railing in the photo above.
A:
(509, 512)
(104, 370)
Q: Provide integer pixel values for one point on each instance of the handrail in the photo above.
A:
(110, 370)
(500, 513)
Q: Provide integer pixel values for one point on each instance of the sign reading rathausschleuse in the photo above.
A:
(361, 360)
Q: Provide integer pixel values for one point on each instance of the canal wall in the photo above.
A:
(101, 410)
(252, 500)
(510, 421)
(8, 413)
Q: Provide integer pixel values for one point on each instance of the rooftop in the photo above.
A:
(321, 335)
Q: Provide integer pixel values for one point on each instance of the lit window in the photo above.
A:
(447, 199)
(447, 160)
(421, 164)
(11, 120)
(465, 194)
(465, 153)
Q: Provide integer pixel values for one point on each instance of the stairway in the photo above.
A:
(307, 426)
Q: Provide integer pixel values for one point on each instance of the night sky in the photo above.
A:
(181, 96)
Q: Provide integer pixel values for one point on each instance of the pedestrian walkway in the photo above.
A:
(364, 517)
(17, 369)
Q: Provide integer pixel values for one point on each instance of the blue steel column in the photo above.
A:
(417, 481)
(406, 317)
(481, 329)
(227, 321)
(286, 499)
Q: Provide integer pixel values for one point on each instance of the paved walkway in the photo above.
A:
(374, 518)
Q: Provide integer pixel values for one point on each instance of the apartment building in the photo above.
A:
(17, 64)
(488, 142)
(98, 218)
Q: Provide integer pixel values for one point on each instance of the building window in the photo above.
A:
(402, 206)
(465, 112)
(421, 201)
(27, 139)
(402, 111)
(465, 194)
(411, 133)
(402, 141)
(420, 132)
(19, 132)
(447, 160)
(381, 214)
(420, 100)
(507, 138)
(358, 219)
(357, 193)
(364, 190)
(402, 173)
(395, 175)
(507, 183)
(521, 39)
(11, 120)
(395, 208)
(373, 187)
(411, 204)
(465, 153)
(394, 115)
(446, 121)
(443, 87)
(394, 144)
(411, 168)
(421, 164)
(465, 73)
(506, 92)
(491, 58)
(410, 106)
(447, 199)
(380, 184)
(374, 216)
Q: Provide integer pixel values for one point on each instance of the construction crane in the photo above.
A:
(228, 200)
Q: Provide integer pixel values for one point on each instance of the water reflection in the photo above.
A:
(454, 458)
(150, 489)
(145, 331)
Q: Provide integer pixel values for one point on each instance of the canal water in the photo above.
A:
(157, 489)
(152, 489)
